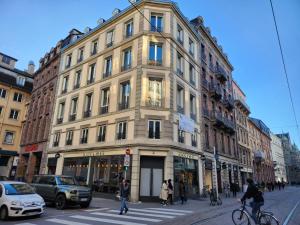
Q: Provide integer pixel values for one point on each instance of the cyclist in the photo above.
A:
(258, 200)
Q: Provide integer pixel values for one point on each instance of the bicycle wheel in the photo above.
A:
(267, 219)
(239, 217)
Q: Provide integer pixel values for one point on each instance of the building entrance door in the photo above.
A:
(151, 177)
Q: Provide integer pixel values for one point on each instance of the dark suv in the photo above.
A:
(62, 190)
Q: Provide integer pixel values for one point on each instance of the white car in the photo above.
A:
(19, 199)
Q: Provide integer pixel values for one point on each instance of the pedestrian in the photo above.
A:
(227, 189)
(273, 186)
(124, 193)
(164, 193)
(283, 184)
(170, 192)
(234, 189)
(182, 193)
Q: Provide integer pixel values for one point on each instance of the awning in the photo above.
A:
(9, 153)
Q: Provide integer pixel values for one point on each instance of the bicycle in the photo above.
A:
(205, 191)
(214, 200)
(242, 216)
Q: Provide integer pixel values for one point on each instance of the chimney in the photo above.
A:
(31, 66)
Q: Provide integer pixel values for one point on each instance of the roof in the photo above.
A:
(8, 153)
(21, 72)
(260, 125)
(10, 80)
(1, 53)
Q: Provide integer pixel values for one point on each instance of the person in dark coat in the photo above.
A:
(170, 192)
(234, 189)
(182, 193)
(124, 193)
(258, 200)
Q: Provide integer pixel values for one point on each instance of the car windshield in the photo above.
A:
(18, 189)
(66, 181)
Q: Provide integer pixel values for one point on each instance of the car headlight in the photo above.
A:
(17, 203)
(74, 192)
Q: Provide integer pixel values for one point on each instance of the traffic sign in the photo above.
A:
(127, 160)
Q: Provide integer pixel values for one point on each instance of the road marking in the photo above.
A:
(66, 222)
(155, 211)
(146, 214)
(291, 213)
(127, 217)
(94, 210)
(106, 220)
(25, 224)
(172, 210)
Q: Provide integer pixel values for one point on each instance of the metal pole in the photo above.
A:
(216, 173)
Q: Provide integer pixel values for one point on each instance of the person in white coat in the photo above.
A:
(164, 193)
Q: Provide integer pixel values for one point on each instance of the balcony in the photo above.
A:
(180, 40)
(69, 142)
(205, 113)
(203, 57)
(59, 120)
(64, 91)
(121, 136)
(180, 109)
(79, 59)
(217, 118)
(154, 103)
(106, 74)
(179, 72)
(193, 116)
(128, 34)
(220, 74)
(104, 109)
(123, 105)
(259, 156)
(87, 114)
(215, 91)
(205, 84)
(72, 117)
(101, 138)
(83, 140)
(156, 28)
(181, 139)
(192, 80)
(229, 103)
(76, 86)
(229, 125)
(125, 67)
(191, 52)
(194, 143)
(68, 66)
(91, 80)
(55, 144)
(154, 62)
(241, 103)
(94, 52)
(108, 45)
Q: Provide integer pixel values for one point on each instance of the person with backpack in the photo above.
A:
(258, 200)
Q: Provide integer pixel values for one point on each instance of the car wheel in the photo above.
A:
(85, 205)
(3, 213)
(60, 202)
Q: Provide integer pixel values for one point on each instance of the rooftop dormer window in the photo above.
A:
(6, 59)
(20, 80)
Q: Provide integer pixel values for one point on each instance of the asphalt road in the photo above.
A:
(284, 204)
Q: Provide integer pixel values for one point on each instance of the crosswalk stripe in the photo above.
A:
(146, 214)
(172, 210)
(155, 211)
(127, 217)
(105, 220)
(66, 222)
(94, 210)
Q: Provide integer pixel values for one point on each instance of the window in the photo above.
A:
(77, 79)
(2, 93)
(121, 130)
(222, 142)
(206, 130)
(69, 137)
(191, 47)
(180, 99)
(124, 95)
(109, 38)
(155, 54)
(84, 136)
(192, 75)
(88, 105)
(203, 55)
(91, 77)
(126, 59)
(194, 139)
(193, 107)
(180, 64)
(1, 110)
(73, 109)
(104, 100)
(18, 97)
(180, 135)
(65, 84)
(156, 22)
(56, 139)
(155, 92)
(107, 67)
(128, 29)
(61, 110)
(20, 80)
(94, 47)
(80, 54)
(179, 34)
(14, 114)
(5, 59)
(154, 129)
(9, 137)
(68, 60)
(101, 133)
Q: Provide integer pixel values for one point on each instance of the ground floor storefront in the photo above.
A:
(146, 171)
(8, 163)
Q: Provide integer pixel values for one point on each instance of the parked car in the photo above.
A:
(3, 178)
(62, 190)
(19, 199)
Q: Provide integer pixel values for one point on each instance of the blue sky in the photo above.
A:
(245, 29)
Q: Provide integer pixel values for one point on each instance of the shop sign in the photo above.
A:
(97, 153)
(127, 160)
(31, 148)
(186, 124)
(185, 155)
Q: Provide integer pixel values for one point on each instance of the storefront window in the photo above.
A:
(186, 170)
(76, 167)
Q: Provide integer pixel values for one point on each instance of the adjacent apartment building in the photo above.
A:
(125, 88)
(15, 92)
(260, 142)
(278, 159)
(33, 155)
(242, 111)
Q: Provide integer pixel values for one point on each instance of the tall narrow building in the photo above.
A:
(15, 92)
